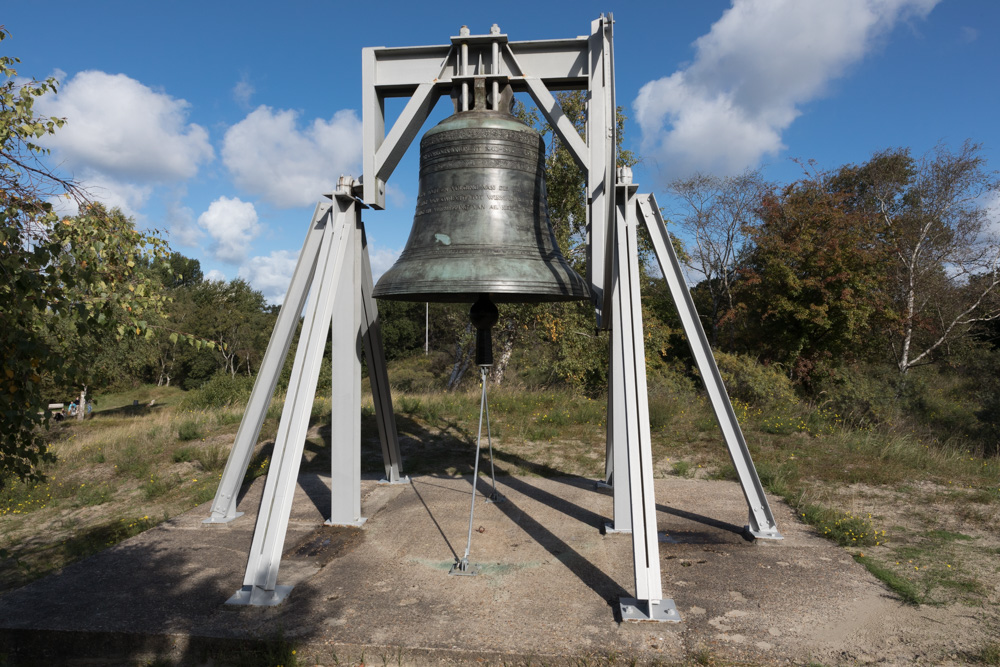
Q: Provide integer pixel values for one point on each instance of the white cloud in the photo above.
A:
(268, 155)
(271, 274)
(215, 275)
(231, 224)
(243, 91)
(397, 198)
(760, 61)
(381, 259)
(124, 131)
(991, 205)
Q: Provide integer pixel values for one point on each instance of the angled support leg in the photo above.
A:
(224, 505)
(259, 582)
(761, 522)
(371, 334)
(628, 353)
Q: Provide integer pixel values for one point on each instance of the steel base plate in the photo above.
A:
(609, 529)
(638, 611)
(223, 519)
(469, 571)
(763, 534)
(258, 597)
(356, 523)
(495, 497)
(405, 479)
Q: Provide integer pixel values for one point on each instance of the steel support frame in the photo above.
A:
(334, 272)
(425, 73)
(761, 522)
(629, 400)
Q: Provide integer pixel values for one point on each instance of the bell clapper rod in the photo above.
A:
(484, 315)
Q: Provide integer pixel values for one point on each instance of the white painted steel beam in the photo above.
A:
(629, 358)
(601, 207)
(562, 63)
(345, 424)
(761, 521)
(617, 450)
(371, 336)
(259, 582)
(559, 122)
(224, 505)
(405, 129)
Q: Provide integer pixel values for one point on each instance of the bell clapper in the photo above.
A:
(483, 315)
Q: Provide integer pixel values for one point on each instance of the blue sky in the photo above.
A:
(221, 123)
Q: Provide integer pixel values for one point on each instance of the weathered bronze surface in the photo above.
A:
(481, 224)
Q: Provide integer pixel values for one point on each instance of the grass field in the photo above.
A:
(920, 515)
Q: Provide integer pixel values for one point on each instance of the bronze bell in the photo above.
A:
(481, 226)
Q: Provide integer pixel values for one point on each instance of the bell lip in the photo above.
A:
(472, 297)
(569, 287)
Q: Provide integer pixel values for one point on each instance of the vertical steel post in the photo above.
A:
(629, 355)
(345, 425)
(616, 452)
(601, 167)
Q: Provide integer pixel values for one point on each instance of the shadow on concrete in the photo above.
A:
(436, 524)
(707, 521)
(599, 582)
(135, 599)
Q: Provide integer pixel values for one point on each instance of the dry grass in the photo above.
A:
(131, 466)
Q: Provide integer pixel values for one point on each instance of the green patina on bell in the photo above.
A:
(482, 226)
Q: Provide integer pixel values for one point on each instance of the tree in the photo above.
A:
(233, 318)
(813, 278)
(930, 216)
(718, 214)
(57, 274)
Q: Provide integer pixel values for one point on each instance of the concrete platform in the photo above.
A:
(548, 589)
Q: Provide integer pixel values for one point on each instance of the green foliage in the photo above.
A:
(813, 278)
(222, 390)
(750, 381)
(860, 395)
(189, 430)
(402, 327)
(184, 454)
(64, 282)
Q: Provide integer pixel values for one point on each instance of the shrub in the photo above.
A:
(858, 395)
(221, 391)
(189, 430)
(419, 373)
(749, 381)
(212, 458)
(184, 454)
